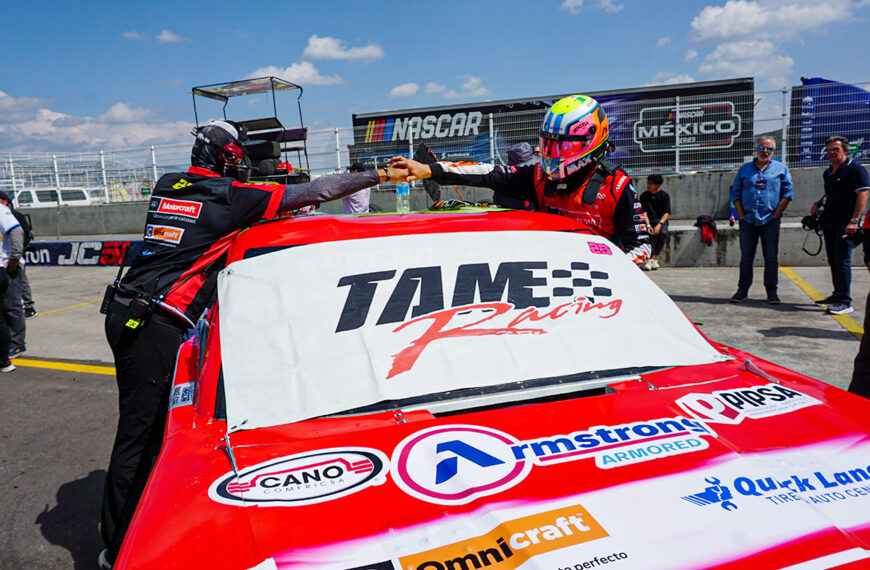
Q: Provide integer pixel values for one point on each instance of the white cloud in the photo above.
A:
(123, 113)
(690, 54)
(334, 48)
(433, 87)
(133, 35)
(404, 90)
(168, 37)
(576, 6)
(18, 109)
(668, 78)
(741, 19)
(471, 87)
(303, 73)
(747, 59)
(663, 42)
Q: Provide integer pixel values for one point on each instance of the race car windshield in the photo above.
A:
(329, 327)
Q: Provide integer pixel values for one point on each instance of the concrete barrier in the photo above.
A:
(692, 195)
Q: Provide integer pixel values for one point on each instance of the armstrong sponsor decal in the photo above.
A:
(168, 234)
(732, 406)
(424, 127)
(303, 479)
(709, 125)
(586, 291)
(816, 488)
(513, 542)
(458, 463)
(169, 206)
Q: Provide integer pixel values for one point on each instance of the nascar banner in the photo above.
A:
(323, 328)
(700, 126)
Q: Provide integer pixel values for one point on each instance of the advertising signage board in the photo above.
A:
(700, 126)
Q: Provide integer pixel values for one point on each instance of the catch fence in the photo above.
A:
(700, 127)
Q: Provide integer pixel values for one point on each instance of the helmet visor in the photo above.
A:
(563, 149)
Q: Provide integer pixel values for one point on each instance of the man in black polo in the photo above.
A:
(845, 198)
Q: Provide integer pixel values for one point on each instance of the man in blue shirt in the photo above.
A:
(761, 191)
(840, 210)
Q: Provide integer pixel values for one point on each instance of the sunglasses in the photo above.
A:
(766, 148)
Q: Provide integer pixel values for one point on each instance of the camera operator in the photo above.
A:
(844, 201)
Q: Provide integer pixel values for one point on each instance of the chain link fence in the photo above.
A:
(703, 131)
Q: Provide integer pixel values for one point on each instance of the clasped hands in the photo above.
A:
(403, 169)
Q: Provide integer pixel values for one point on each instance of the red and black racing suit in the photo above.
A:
(192, 219)
(616, 212)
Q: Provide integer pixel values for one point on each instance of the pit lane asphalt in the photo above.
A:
(57, 420)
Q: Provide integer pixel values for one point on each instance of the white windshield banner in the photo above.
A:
(324, 328)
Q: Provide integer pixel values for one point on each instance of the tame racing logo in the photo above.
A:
(302, 479)
(513, 542)
(420, 292)
(755, 402)
(453, 465)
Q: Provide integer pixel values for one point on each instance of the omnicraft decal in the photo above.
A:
(407, 316)
(456, 464)
(303, 479)
(513, 542)
(756, 402)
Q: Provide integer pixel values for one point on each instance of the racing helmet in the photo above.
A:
(573, 133)
(218, 147)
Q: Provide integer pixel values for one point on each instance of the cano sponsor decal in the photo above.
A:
(456, 464)
(169, 234)
(513, 542)
(169, 206)
(303, 479)
(755, 402)
(532, 288)
(824, 486)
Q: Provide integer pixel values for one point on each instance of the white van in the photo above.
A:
(39, 198)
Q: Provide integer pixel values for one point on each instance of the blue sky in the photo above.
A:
(86, 76)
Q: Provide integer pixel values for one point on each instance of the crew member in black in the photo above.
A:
(192, 218)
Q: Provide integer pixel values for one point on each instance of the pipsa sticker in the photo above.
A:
(303, 479)
(754, 402)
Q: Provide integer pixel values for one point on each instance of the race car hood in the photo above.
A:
(747, 466)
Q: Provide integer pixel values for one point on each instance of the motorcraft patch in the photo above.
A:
(302, 479)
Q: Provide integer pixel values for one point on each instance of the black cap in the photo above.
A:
(5, 196)
(357, 167)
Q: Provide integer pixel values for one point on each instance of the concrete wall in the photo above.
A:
(691, 195)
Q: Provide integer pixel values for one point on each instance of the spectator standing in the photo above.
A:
(520, 154)
(761, 191)
(26, 293)
(11, 248)
(536, 150)
(840, 209)
(656, 205)
(358, 202)
(861, 371)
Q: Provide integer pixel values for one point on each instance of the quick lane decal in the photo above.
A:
(458, 463)
(303, 479)
(732, 406)
(513, 542)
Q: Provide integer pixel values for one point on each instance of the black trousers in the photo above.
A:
(144, 362)
(861, 373)
(4, 326)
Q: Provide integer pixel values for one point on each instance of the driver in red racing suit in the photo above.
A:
(573, 179)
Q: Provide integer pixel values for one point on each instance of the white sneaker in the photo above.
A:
(8, 367)
(647, 266)
(655, 264)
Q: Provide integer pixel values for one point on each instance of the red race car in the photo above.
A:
(467, 390)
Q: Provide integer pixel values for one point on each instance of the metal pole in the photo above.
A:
(57, 208)
(12, 174)
(677, 136)
(411, 152)
(154, 163)
(491, 141)
(105, 182)
(337, 150)
(784, 125)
